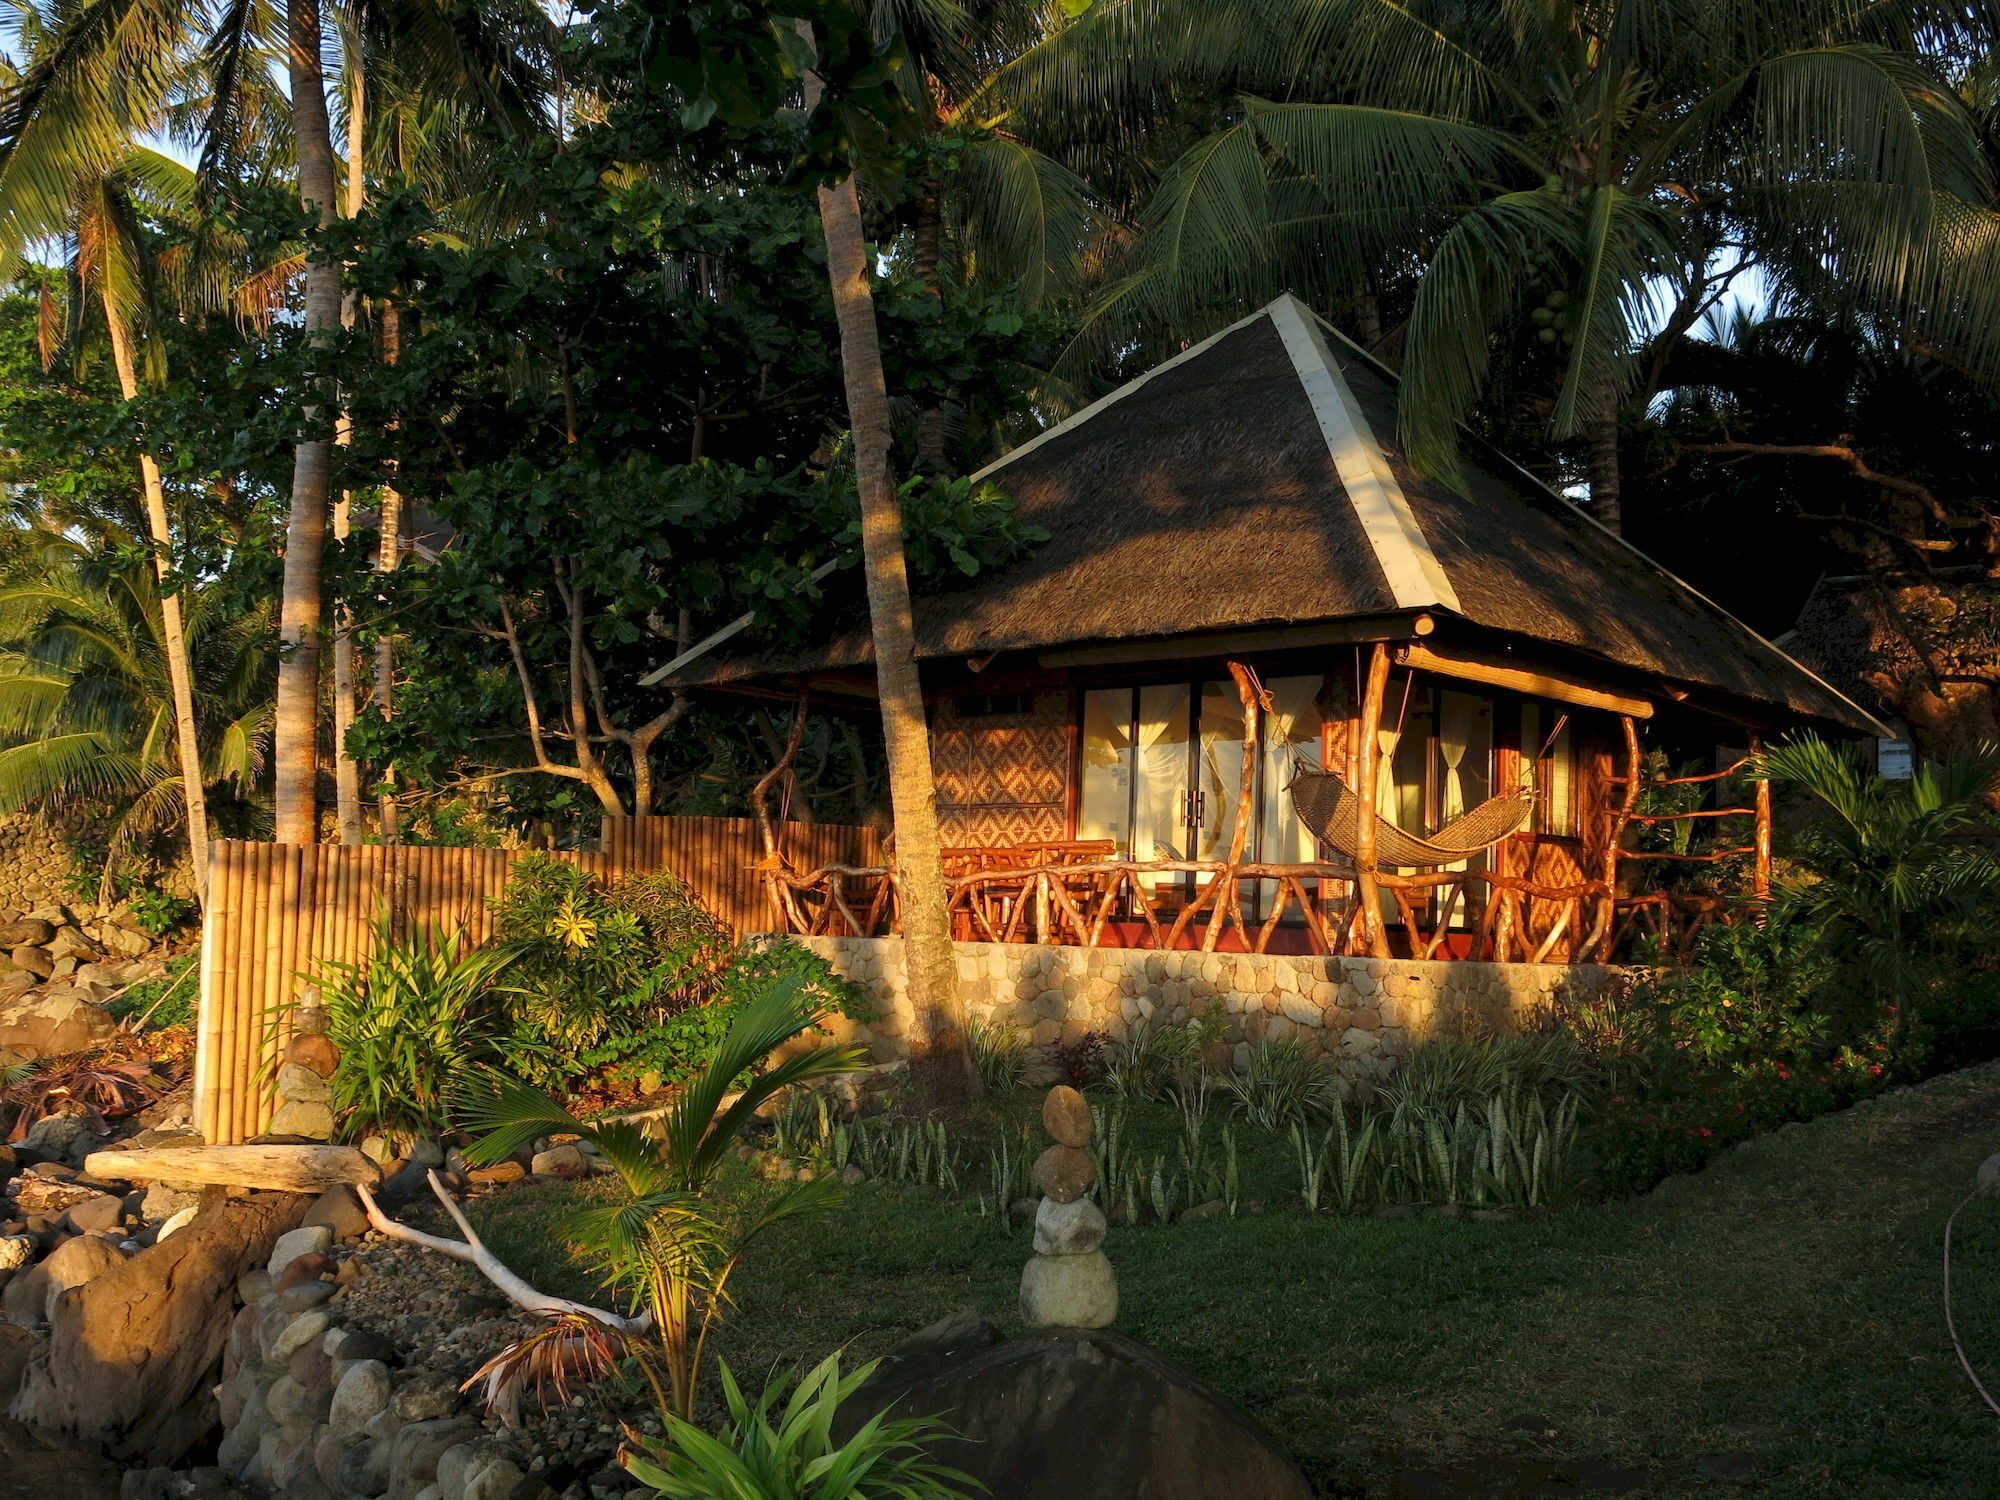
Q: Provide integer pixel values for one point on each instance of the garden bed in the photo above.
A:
(1775, 1319)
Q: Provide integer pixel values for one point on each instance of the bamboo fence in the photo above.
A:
(277, 913)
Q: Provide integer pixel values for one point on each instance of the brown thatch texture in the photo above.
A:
(1204, 499)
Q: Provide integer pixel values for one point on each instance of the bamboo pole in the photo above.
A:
(1760, 887)
(1364, 838)
(207, 1025)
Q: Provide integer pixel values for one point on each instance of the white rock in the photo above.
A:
(302, 1330)
(1075, 1228)
(361, 1396)
(1069, 1291)
(494, 1482)
(312, 1239)
(16, 1250)
(176, 1223)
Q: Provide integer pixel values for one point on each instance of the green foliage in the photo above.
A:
(415, 1024)
(161, 913)
(768, 1452)
(1279, 1086)
(661, 1241)
(1163, 1059)
(164, 1001)
(1895, 886)
(1000, 1056)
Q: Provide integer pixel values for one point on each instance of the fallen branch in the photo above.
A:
(472, 1250)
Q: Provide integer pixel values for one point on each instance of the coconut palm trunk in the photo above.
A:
(1602, 437)
(173, 633)
(346, 681)
(295, 756)
(940, 1050)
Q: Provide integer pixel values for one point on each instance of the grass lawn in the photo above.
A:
(1772, 1326)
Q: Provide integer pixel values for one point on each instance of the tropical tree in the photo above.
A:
(1896, 886)
(87, 696)
(1547, 189)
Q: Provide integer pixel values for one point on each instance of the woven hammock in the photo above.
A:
(1331, 809)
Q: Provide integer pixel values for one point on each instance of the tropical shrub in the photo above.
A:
(661, 1241)
(641, 979)
(165, 1001)
(765, 1452)
(1163, 1059)
(415, 1023)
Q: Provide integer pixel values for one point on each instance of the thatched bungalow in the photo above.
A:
(1252, 620)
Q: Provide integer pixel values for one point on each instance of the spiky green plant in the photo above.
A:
(1279, 1085)
(661, 1241)
(769, 1452)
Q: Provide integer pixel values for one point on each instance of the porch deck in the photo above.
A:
(1078, 896)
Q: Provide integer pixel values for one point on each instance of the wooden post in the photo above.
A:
(1245, 797)
(1760, 880)
(1368, 888)
(1601, 932)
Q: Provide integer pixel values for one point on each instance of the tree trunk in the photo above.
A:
(346, 679)
(388, 553)
(173, 631)
(294, 754)
(1603, 438)
(941, 1053)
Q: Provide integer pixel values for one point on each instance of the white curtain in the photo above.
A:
(1220, 780)
(1162, 772)
(1104, 803)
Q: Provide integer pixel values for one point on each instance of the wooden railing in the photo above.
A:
(1459, 914)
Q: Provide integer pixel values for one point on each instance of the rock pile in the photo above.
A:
(58, 965)
(305, 1088)
(1069, 1282)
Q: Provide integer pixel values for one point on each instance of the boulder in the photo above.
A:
(16, 982)
(95, 1214)
(70, 943)
(134, 1355)
(305, 1119)
(34, 1465)
(124, 942)
(74, 1263)
(26, 932)
(61, 1138)
(307, 1239)
(1062, 1413)
(52, 1022)
(32, 960)
(564, 1161)
(1069, 1291)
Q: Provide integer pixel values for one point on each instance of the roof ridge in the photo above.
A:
(1417, 580)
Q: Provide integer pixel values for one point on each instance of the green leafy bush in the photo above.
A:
(1280, 1086)
(998, 1053)
(415, 1024)
(641, 979)
(1163, 1059)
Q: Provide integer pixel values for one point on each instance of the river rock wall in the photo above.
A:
(1362, 1013)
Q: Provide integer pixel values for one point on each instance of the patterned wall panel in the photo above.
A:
(1002, 777)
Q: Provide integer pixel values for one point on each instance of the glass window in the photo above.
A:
(1160, 801)
(1555, 812)
(1219, 777)
(1104, 796)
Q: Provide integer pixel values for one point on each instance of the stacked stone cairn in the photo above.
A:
(1069, 1283)
(305, 1091)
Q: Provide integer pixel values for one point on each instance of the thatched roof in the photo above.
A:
(1254, 480)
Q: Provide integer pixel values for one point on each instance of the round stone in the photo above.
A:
(1069, 1291)
(1064, 1173)
(1066, 1116)
(1075, 1228)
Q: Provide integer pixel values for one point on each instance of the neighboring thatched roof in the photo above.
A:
(1254, 480)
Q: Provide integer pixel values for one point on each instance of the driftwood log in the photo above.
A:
(282, 1169)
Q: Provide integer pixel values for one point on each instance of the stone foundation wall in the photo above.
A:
(35, 864)
(1364, 1013)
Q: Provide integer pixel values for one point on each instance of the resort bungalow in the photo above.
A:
(1252, 622)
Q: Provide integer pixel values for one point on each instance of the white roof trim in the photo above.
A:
(1416, 578)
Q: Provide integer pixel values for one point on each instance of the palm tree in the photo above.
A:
(941, 1058)
(87, 692)
(91, 199)
(1545, 174)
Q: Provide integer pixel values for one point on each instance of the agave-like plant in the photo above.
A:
(768, 1452)
(661, 1241)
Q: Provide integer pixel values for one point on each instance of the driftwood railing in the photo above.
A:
(1460, 914)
